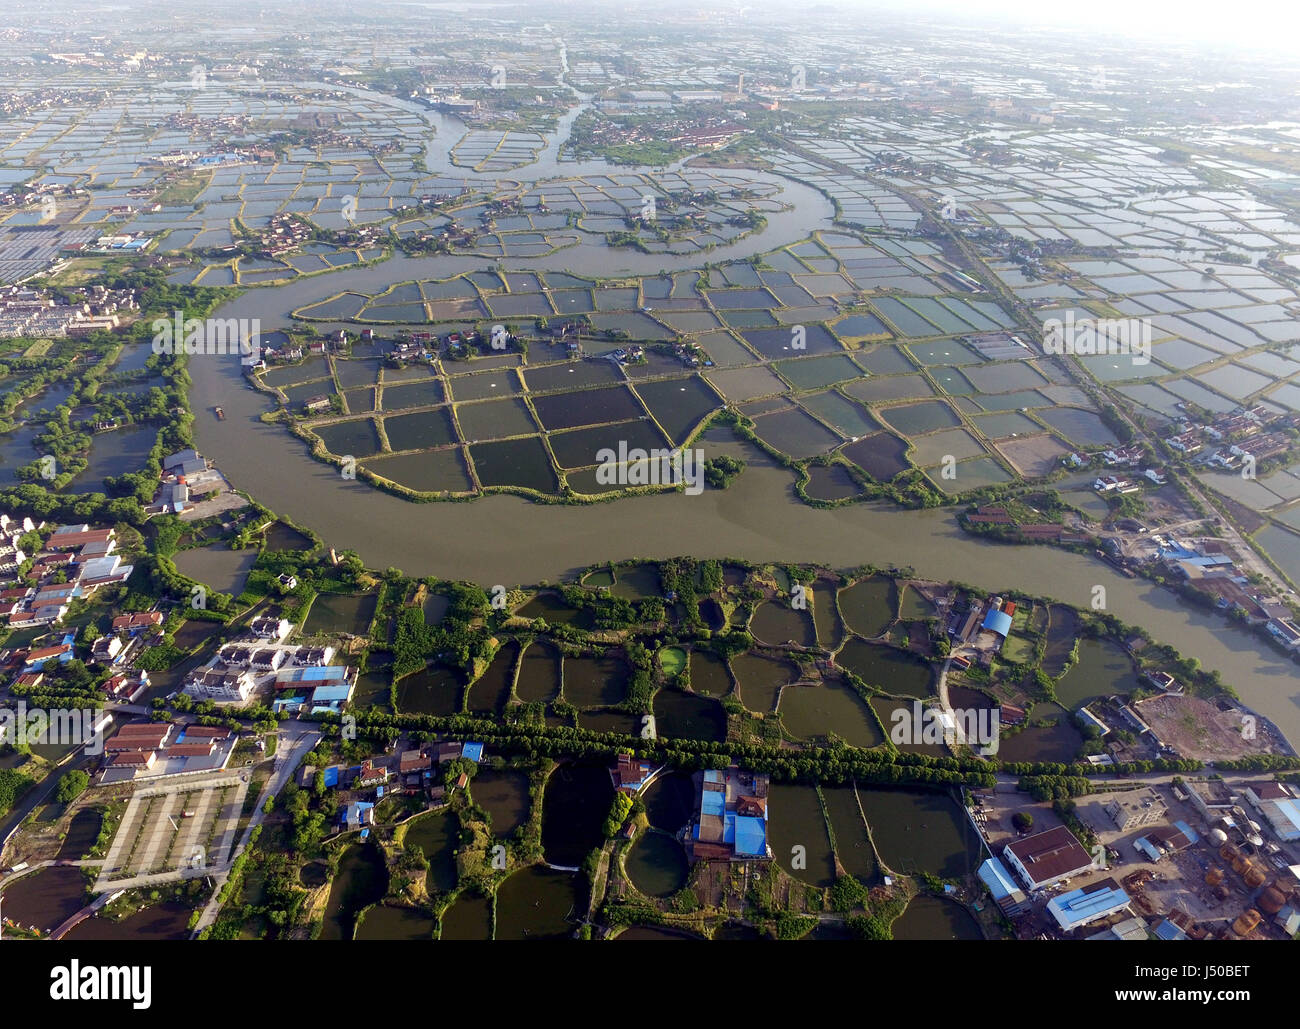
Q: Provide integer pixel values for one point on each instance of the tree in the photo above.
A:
(1023, 821)
(618, 813)
(71, 786)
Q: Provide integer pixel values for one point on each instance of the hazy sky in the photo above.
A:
(1267, 24)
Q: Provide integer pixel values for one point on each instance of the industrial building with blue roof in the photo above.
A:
(997, 621)
(1087, 904)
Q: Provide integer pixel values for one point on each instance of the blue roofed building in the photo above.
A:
(732, 822)
(750, 836)
(357, 815)
(472, 752)
(1166, 930)
(331, 697)
(1087, 904)
(289, 703)
(313, 676)
(998, 622)
(1008, 896)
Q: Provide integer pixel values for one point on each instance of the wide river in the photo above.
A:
(508, 540)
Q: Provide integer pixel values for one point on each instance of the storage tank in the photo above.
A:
(1270, 901)
(1241, 864)
(1246, 922)
(1228, 852)
(1214, 876)
(1218, 837)
(1254, 876)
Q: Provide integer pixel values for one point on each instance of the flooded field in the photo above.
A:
(539, 673)
(387, 922)
(593, 681)
(685, 715)
(919, 830)
(469, 918)
(360, 881)
(82, 833)
(217, 566)
(852, 842)
(341, 613)
(776, 624)
(760, 680)
(1103, 669)
(374, 684)
(433, 691)
(554, 611)
(491, 691)
(896, 672)
(656, 864)
(539, 903)
(504, 796)
(1062, 631)
(869, 606)
(574, 806)
(831, 708)
(931, 918)
(1056, 740)
(112, 454)
(832, 482)
(796, 822)
(670, 801)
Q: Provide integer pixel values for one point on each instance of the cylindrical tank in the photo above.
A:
(1240, 864)
(1270, 901)
(1228, 852)
(1221, 892)
(1214, 876)
(1254, 876)
(1246, 922)
(1218, 837)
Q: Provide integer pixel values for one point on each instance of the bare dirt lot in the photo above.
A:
(1198, 729)
(1034, 455)
(217, 500)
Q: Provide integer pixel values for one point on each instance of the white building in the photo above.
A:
(1047, 858)
(219, 685)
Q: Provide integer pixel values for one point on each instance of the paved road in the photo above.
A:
(295, 740)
